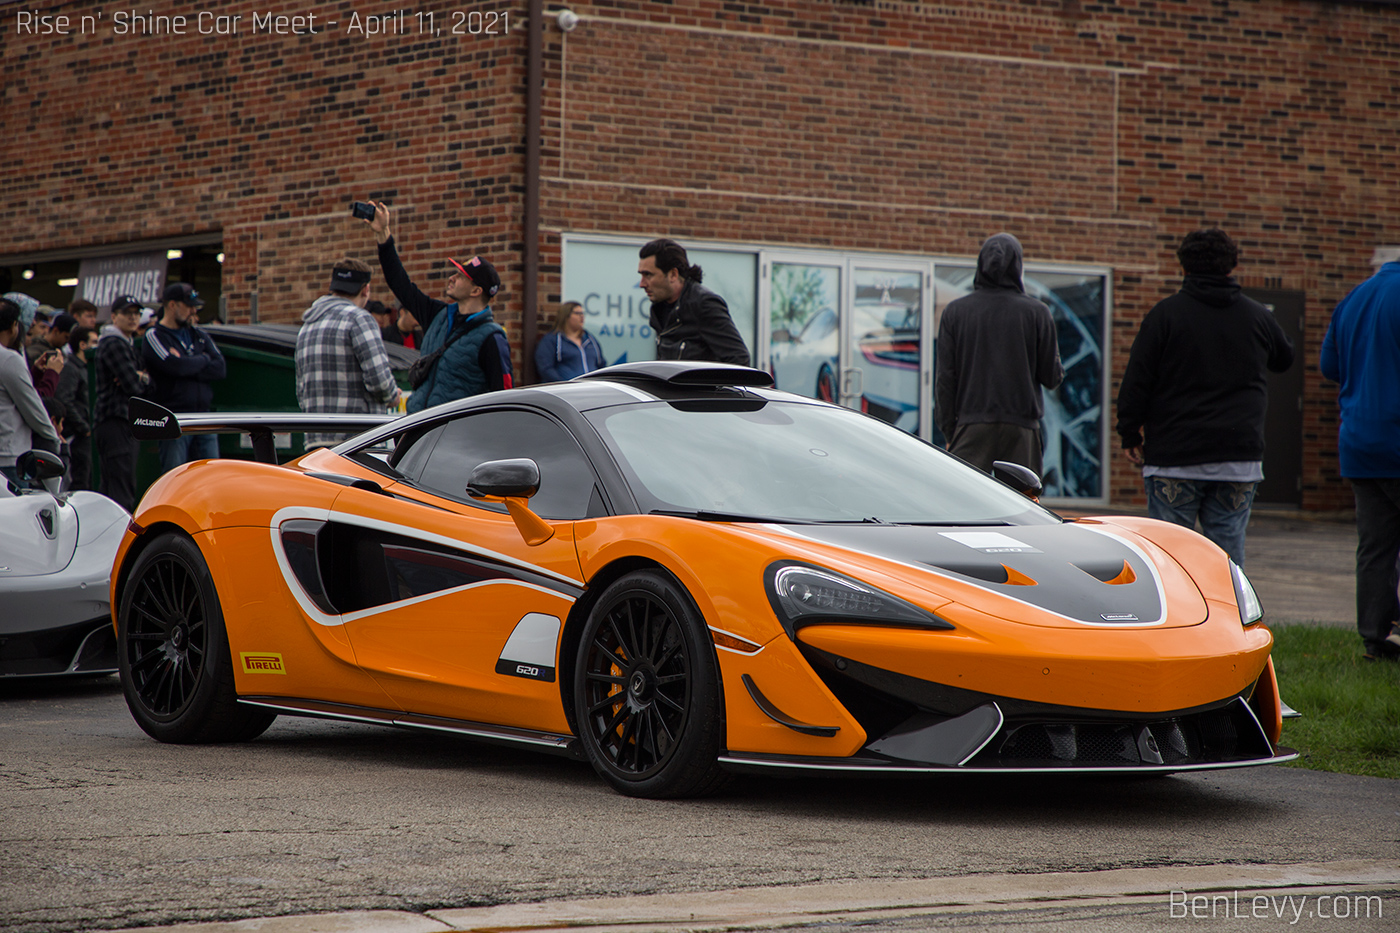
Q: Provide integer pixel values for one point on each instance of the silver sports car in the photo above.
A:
(56, 553)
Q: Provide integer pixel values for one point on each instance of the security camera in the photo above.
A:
(567, 19)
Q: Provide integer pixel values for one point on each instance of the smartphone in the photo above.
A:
(363, 210)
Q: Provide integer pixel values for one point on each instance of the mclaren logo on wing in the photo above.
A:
(150, 422)
(262, 662)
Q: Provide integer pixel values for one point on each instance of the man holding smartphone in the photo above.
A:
(474, 354)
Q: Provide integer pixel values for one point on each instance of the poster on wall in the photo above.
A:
(103, 280)
(1073, 422)
(603, 277)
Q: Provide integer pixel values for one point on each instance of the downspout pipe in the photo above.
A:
(534, 92)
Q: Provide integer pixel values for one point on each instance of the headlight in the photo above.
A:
(1251, 610)
(802, 594)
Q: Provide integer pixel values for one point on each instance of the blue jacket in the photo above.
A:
(478, 361)
(463, 369)
(1362, 352)
(557, 358)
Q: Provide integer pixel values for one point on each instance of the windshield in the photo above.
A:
(799, 461)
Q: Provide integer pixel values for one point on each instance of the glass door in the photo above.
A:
(886, 359)
(804, 327)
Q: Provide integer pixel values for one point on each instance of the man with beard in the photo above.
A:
(23, 422)
(690, 321)
(468, 348)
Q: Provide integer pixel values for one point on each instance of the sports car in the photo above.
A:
(56, 552)
(676, 572)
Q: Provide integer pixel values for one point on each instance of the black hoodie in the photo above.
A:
(996, 347)
(1196, 379)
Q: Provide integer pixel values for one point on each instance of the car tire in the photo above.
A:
(826, 385)
(173, 653)
(647, 690)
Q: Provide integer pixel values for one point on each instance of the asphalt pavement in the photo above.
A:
(1303, 566)
(325, 827)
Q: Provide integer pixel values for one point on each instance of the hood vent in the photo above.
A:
(1114, 573)
(989, 573)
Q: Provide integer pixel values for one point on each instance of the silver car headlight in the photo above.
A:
(1251, 610)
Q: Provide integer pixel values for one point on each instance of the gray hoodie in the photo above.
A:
(24, 424)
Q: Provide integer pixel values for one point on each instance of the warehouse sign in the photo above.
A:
(103, 280)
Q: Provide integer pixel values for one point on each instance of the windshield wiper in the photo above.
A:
(707, 515)
(987, 524)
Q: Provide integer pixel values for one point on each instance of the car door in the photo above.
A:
(468, 616)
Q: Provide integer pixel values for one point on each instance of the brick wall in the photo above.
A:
(267, 139)
(1097, 133)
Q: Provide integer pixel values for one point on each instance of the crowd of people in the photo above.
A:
(45, 397)
(341, 361)
(342, 365)
(1191, 404)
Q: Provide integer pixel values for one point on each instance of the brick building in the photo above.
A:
(835, 165)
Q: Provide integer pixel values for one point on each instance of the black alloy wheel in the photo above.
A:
(646, 691)
(826, 385)
(173, 654)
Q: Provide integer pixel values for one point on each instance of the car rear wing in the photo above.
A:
(152, 422)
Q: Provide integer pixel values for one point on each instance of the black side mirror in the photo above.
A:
(38, 464)
(1022, 479)
(518, 479)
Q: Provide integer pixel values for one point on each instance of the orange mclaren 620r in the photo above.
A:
(675, 572)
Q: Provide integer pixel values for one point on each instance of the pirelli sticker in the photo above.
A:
(262, 662)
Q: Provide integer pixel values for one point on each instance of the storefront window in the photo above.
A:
(1073, 424)
(858, 330)
(603, 276)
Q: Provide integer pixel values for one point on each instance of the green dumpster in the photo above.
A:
(261, 377)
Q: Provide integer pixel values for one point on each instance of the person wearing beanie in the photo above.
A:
(1192, 402)
(341, 363)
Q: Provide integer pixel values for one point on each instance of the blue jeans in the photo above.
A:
(1223, 508)
(188, 447)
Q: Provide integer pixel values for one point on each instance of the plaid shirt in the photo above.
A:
(118, 377)
(341, 363)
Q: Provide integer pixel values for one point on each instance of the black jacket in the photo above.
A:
(1197, 380)
(184, 362)
(996, 348)
(698, 327)
(73, 393)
